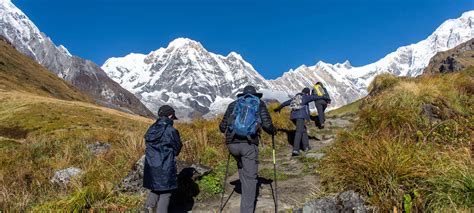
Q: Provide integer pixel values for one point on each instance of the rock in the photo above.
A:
(352, 202)
(327, 204)
(339, 122)
(348, 201)
(316, 156)
(432, 112)
(63, 177)
(133, 182)
(98, 147)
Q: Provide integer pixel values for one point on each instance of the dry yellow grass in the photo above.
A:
(397, 156)
(54, 136)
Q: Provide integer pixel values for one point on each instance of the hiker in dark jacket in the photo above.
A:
(163, 144)
(245, 149)
(299, 116)
(321, 104)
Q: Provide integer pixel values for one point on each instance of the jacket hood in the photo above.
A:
(156, 131)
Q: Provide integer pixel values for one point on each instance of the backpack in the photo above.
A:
(245, 116)
(296, 102)
(319, 90)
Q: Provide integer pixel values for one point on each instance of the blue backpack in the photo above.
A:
(245, 118)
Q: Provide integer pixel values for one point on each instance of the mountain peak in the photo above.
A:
(181, 42)
(347, 64)
(235, 55)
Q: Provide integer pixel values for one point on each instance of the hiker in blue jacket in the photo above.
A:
(163, 144)
(299, 114)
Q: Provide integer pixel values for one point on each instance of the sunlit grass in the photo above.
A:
(397, 157)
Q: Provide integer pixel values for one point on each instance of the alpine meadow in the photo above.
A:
(185, 128)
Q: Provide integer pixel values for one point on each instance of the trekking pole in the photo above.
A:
(274, 173)
(225, 182)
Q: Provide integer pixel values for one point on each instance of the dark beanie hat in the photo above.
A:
(306, 90)
(166, 111)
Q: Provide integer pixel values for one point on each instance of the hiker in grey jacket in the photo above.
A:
(299, 116)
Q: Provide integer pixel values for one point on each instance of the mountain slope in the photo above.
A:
(199, 82)
(456, 59)
(185, 75)
(84, 74)
(21, 73)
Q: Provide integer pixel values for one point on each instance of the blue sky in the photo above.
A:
(273, 36)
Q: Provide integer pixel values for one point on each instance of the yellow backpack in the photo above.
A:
(318, 90)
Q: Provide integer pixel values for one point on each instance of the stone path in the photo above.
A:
(300, 180)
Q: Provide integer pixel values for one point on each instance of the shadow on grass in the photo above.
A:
(182, 199)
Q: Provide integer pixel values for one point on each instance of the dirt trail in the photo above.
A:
(300, 180)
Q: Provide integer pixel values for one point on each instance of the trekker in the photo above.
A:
(299, 114)
(321, 105)
(244, 148)
(163, 144)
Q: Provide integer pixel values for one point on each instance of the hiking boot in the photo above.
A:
(307, 149)
(321, 126)
(295, 153)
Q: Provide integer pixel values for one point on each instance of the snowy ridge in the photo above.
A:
(347, 84)
(199, 82)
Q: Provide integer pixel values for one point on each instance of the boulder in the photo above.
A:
(98, 147)
(326, 204)
(64, 176)
(352, 202)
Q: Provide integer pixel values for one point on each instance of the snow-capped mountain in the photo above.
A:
(198, 82)
(184, 75)
(22, 33)
(347, 84)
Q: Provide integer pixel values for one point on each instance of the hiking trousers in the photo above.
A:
(246, 155)
(321, 106)
(162, 199)
(301, 135)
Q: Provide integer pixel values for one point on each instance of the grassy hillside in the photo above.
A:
(412, 145)
(21, 73)
(41, 134)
